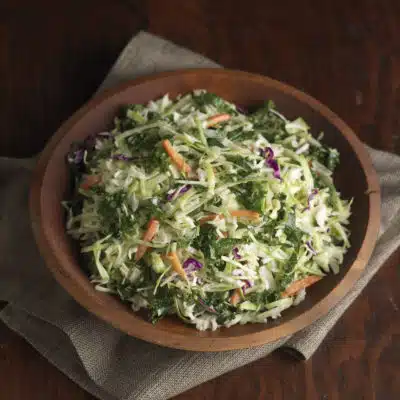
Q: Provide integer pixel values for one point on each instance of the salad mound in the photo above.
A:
(198, 208)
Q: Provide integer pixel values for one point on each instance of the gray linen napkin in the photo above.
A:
(101, 359)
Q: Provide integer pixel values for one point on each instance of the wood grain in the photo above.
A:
(53, 56)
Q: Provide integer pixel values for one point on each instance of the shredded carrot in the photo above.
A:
(152, 229)
(176, 264)
(216, 119)
(296, 286)
(90, 181)
(235, 213)
(245, 214)
(236, 296)
(176, 158)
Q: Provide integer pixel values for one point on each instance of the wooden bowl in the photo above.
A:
(355, 178)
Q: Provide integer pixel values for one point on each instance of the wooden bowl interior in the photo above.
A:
(244, 89)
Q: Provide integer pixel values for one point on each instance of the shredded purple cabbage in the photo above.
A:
(313, 193)
(236, 254)
(268, 153)
(76, 156)
(309, 245)
(77, 153)
(121, 157)
(247, 284)
(90, 141)
(181, 191)
(191, 264)
(242, 110)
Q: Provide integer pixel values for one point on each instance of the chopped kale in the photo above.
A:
(269, 125)
(326, 156)
(160, 305)
(115, 217)
(242, 166)
(150, 161)
(242, 134)
(293, 233)
(218, 301)
(129, 117)
(265, 297)
(152, 211)
(268, 232)
(211, 246)
(223, 247)
(206, 240)
(144, 140)
(253, 196)
(319, 183)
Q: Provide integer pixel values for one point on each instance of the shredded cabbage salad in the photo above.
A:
(198, 208)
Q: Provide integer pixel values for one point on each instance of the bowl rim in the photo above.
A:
(176, 339)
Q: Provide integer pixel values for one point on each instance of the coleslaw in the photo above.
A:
(198, 208)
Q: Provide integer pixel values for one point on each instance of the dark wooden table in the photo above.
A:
(53, 55)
